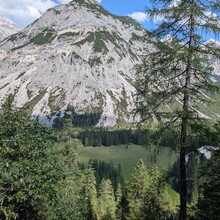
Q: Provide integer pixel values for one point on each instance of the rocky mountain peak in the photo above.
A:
(212, 42)
(7, 28)
(81, 2)
(76, 57)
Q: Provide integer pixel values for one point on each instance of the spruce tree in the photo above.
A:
(118, 197)
(137, 189)
(176, 72)
(106, 201)
(147, 195)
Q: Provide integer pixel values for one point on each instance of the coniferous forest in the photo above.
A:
(42, 175)
(42, 178)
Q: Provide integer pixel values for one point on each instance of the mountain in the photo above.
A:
(77, 57)
(7, 28)
(213, 60)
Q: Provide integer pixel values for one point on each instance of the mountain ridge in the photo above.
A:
(7, 28)
(76, 56)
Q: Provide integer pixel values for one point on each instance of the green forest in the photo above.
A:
(169, 162)
(43, 176)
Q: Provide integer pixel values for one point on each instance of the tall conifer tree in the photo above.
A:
(176, 70)
(106, 201)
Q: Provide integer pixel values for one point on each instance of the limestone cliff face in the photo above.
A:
(7, 28)
(76, 56)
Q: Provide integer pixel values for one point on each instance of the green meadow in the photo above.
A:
(128, 155)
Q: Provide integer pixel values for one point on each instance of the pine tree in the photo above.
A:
(118, 196)
(106, 201)
(147, 195)
(137, 189)
(176, 71)
(158, 202)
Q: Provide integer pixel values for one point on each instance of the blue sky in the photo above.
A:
(132, 8)
(124, 7)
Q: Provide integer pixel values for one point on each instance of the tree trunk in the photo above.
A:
(184, 123)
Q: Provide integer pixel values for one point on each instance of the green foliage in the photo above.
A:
(77, 197)
(137, 189)
(166, 137)
(20, 75)
(147, 194)
(98, 8)
(104, 170)
(100, 37)
(30, 105)
(42, 38)
(29, 170)
(18, 47)
(169, 136)
(128, 156)
(40, 180)
(95, 61)
(105, 137)
(13, 37)
(67, 34)
(106, 201)
(99, 43)
(176, 72)
(177, 67)
(209, 195)
(86, 120)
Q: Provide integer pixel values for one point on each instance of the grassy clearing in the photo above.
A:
(128, 156)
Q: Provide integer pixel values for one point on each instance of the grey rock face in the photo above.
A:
(76, 56)
(7, 28)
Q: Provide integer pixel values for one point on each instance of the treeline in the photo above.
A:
(86, 120)
(167, 138)
(98, 137)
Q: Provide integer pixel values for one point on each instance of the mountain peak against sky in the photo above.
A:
(7, 28)
(24, 12)
(76, 56)
(212, 42)
(85, 1)
(77, 13)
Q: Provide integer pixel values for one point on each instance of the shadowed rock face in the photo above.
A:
(76, 56)
(7, 28)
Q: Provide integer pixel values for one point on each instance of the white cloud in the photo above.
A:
(175, 3)
(24, 12)
(64, 1)
(139, 16)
